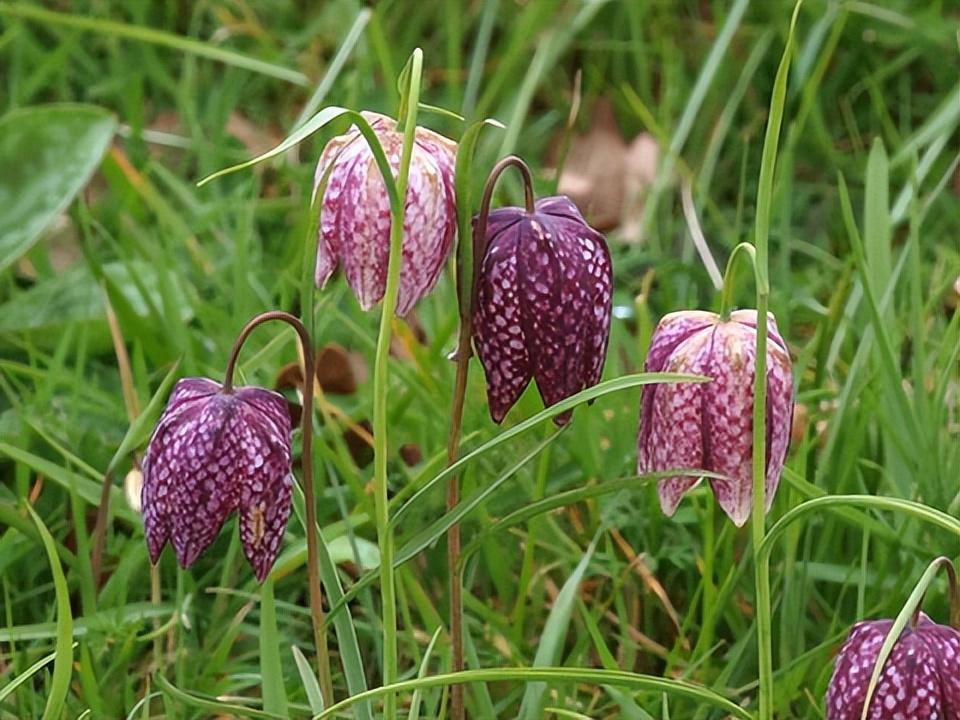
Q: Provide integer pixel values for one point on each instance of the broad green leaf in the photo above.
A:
(47, 154)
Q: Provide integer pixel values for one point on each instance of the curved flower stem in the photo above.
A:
(380, 387)
(457, 708)
(306, 466)
(730, 274)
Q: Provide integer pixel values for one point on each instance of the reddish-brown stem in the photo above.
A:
(457, 706)
(306, 467)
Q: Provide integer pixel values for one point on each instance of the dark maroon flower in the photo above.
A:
(920, 679)
(212, 453)
(355, 217)
(709, 426)
(543, 304)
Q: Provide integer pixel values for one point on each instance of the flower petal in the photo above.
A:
(203, 461)
(779, 416)
(497, 328)
(909, 685)
(429, 222)
(553, 306)
(728, 418)
(673, 437)
(160, 462)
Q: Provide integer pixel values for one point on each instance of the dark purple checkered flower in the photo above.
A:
(709, 426)
(214, 452)
(920, 679)
(355, 217)
(543, 304)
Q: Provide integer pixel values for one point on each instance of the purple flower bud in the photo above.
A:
(709, 426)
(543, 304)
(213, 453)
(355, 217)
(920, 679)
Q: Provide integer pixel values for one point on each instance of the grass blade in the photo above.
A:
(554, 634)
(63, 660)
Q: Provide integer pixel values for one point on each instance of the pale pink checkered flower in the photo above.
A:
(709, 426)
(543, 304)
(919, 681)
(355, 215)
(214, 452)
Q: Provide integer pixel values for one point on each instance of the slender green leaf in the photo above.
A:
(63, 662)
(616, 678)
(554, 634)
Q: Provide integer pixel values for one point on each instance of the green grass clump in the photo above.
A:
(118, 274)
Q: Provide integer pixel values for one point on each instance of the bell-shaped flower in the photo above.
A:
(919, 681)
(543, 304)
(709, 425)
(355, 213)
(214, 452)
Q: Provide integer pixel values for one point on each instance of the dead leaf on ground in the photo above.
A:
(606, 176)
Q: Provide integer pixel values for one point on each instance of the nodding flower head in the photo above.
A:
(214, 452)
(355, 215)
(920, 679)
(709, 426)
(543, 303)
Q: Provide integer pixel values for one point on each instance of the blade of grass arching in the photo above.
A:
(271, 671)
(415, 701)
(605, 388)
(342, 622)
(917, 510)
(550, 646)
(63, 662)
(570, 497)
(692, 109)
(309, 679)
(212, 706)
(154, 37)
(593, 676)
(23, 677)
(435, 530)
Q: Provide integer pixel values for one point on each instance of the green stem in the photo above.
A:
(768, 163)
(380, 386)
(758, 514)
(730, 274)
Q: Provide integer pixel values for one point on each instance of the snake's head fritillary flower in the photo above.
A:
(214, 452)
(709, 425)
(355, 214)
(543, 304)
(920, 679)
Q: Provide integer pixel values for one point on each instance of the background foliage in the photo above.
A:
(100, 297)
